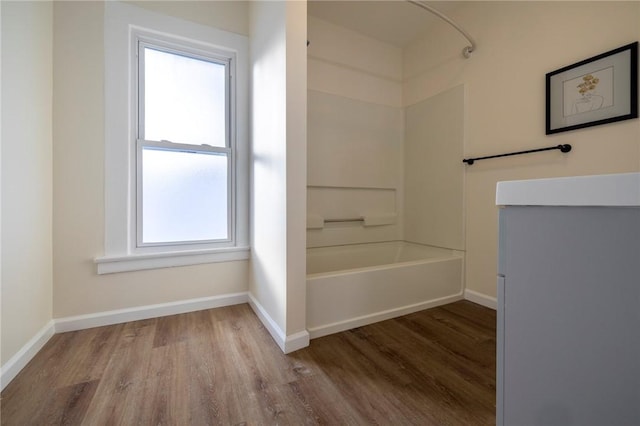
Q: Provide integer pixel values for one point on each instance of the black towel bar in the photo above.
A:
(563, 148)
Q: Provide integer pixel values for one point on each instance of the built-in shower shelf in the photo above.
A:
(382, 188)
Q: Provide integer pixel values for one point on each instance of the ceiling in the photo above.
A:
(396, 22)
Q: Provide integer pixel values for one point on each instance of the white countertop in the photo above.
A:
(600, 190)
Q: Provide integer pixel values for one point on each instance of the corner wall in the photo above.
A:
(26, 174)
(278, 128)
(518, 43)
(433, 171)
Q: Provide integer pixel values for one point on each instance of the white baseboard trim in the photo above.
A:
(337, 327)
(287, 344)
(268, 322)
(296, 341)
(17, 362)
(481, 299)
(118, 316)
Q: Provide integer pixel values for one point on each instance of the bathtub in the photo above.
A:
(354, 285)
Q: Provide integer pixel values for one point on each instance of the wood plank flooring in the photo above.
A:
(220, 366)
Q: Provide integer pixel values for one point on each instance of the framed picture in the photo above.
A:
(598, 90)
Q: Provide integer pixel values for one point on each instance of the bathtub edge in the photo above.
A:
(336, 327)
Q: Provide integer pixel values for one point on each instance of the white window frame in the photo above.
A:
(125, 26)
(144, 40)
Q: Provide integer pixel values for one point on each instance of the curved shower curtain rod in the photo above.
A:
(466, 52)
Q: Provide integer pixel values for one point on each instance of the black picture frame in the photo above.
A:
(599, 90)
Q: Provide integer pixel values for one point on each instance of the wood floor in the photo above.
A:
(220, 366)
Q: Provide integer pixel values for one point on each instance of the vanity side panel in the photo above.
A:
(571, 316)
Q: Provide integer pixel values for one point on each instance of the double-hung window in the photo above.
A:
(176, 142)
(184, 149)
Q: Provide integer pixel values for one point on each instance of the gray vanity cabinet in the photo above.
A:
(568, 315)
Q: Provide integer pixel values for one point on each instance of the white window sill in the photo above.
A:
(138, 262)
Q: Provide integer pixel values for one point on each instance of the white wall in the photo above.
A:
(78, 176)
(348, 64)
(296, 172)
(1, 362)
(26, 173)
(518, 43)
(268, 143)
(229, 15)
(278, 58)
(433, 170)
(355, 131)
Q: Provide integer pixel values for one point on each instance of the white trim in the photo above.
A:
(138, 262)
(120, 21)
(287, 344)
(363, 70)
(348, 324)
(268, 322)
(142, 40)
(481, 299)
(118, 316)
(296, 341)
(17, 362)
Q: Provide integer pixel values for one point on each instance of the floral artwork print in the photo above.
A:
(589, 92)
(599, 90)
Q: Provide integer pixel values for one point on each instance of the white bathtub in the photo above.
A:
(353, 285)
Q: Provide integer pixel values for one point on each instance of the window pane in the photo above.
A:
(184, 196)
(184, 99)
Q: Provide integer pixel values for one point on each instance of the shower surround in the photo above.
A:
(372, 155)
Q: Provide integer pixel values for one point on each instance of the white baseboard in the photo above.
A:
(118, 316)
(268, 322)
(337, 327)
(287, 344)
(296, 341)
(17, 362)
(481, 299)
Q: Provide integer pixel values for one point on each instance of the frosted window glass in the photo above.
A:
(184, 196)
(184, 99)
